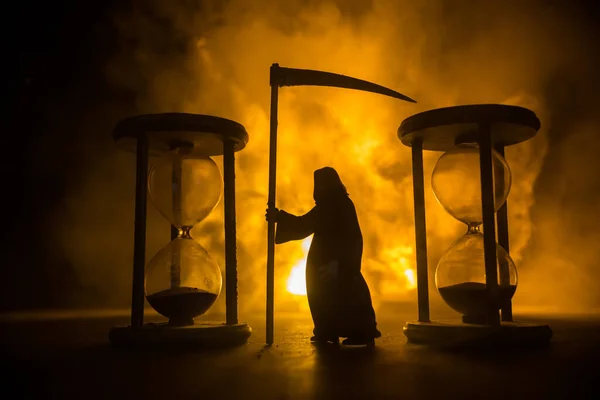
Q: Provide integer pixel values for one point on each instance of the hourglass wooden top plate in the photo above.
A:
(443, 128)
(205, 132)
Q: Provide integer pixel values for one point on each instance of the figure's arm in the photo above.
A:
(291, 227)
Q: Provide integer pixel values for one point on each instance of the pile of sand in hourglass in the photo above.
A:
(470, 298)
(181, 304)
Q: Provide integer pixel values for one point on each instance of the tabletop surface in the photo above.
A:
(71, 358)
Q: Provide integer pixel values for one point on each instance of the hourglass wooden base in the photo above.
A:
(508, 334)
(205, 335)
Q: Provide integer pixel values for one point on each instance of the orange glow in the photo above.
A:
(353, 132)
(410, 279)
(399, 264)
(296, 283)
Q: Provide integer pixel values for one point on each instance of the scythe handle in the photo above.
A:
(271, 204)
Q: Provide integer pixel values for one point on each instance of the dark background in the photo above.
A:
(57, 101)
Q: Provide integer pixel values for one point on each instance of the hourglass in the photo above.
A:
(475, 276)
(182, 281)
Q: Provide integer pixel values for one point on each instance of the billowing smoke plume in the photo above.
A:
(214, 59)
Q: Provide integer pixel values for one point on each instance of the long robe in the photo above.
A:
(340, 306)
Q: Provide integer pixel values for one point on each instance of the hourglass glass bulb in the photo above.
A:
(185, 189)
(182, 280)
(461, 279)
(456, 183)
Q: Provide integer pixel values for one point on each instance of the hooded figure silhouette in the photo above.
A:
(338, 295)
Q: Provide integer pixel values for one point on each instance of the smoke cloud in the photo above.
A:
(213, 57)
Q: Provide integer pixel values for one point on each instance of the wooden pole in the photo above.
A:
(139, 239)
(271, 204)
(231, 296)
(176, 193)
(489, 222)
(502, 223)
(420, 230)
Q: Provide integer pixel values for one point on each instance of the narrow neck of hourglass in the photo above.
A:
(184, 232)
(473, 229)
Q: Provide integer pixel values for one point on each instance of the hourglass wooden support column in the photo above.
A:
(231, 298)
(139, 243)
(489, 127)
(202, 136)
(486, 174)
(420, 231)
(502, 228)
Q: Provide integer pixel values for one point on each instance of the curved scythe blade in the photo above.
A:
(307, 77)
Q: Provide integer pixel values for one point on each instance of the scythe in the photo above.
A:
(280, 77)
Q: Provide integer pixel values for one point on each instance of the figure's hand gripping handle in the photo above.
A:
(272, 214)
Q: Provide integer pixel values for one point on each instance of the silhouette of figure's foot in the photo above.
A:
(323, 339)
(359, 341)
